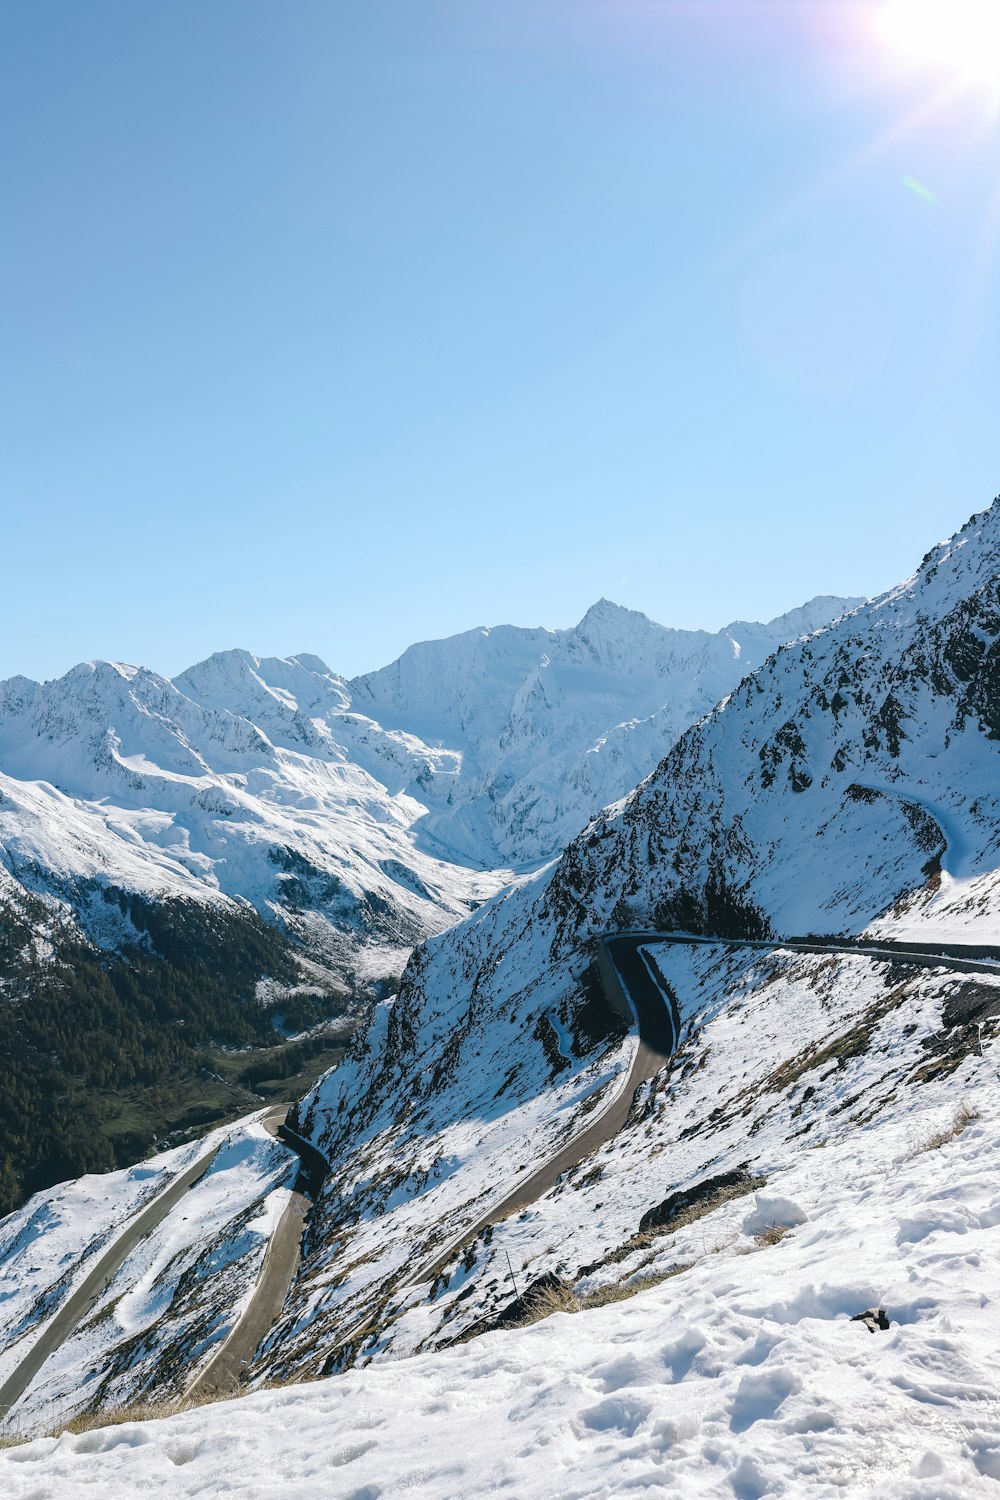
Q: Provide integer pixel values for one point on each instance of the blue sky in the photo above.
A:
(332, 326)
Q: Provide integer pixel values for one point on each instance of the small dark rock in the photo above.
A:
(541, 1296)
(873, 1319)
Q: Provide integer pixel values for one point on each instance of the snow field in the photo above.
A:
(743, 1377)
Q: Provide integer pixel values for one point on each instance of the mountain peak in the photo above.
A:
(100, 668)
(607, 609)
(312, 663)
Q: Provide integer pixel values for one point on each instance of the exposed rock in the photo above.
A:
(874, 1319)
(548, 1294)
(703, 1197)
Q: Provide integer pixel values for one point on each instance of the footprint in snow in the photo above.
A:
(759, 1396)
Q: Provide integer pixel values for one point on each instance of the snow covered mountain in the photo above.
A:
(360, 816)
(825, 1129)
(551, 726)
(851, 785)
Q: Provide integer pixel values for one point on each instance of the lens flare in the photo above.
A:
(961, 37)
(920, 189)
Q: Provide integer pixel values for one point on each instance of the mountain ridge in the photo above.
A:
(283, 752)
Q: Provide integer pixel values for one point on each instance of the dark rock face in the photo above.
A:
(547, 1294)
(704, 1196)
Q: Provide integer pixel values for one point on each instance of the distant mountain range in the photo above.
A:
(361, 815)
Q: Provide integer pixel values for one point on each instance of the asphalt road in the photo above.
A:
(224, 1370)
(233, 1359)
(73, 1311)
(950, 955)
(659, 1029)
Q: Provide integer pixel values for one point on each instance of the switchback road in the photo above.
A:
(659, 1030)
(71, 1314)
(234, 1356)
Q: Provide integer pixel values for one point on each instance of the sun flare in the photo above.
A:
(961, 37)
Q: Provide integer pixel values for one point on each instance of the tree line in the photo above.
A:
(80, 1026)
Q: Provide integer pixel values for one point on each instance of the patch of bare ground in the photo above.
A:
(116, 1416)
(969, 1008)
(551, 1295)
(147, 1411)
(550, 1300)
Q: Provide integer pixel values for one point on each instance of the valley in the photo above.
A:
(206, 883)
(723, 1069)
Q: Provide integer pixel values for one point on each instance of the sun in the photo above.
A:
(960, 37)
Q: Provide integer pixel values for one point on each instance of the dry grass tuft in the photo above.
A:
(545, 1302)
(117, 1416)
(620, 1291)
(772, 1235)
(965, 1115)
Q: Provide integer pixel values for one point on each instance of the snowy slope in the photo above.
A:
(851, 783)
(47, 1246)
(175, 1296)
(742, 1374)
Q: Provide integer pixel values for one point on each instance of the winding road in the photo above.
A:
(634, 990)
(233, 1358)
(78, 1304)
(630, 983)
(654, 1012)
(280, 1263)
(963, 958)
